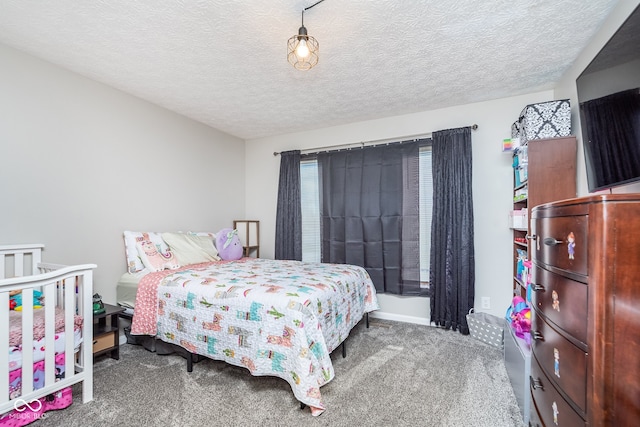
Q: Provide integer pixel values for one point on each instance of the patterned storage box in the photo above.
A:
(515, 130)
(544, 120)
(486, 328)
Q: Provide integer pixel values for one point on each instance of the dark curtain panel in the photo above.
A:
(370, 213)
(613, 127)
(452, 255)
(289, 215)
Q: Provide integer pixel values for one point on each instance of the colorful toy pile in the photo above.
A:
(519, 316)
(15, 300)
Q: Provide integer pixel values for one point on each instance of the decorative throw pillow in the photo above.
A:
(152, 258)
(134, 262)
(191, 249)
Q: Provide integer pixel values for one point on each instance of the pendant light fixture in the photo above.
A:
(302, 49)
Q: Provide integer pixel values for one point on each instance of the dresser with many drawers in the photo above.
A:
(585, 365)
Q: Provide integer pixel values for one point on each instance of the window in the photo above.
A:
(426, 208)
(310, 200)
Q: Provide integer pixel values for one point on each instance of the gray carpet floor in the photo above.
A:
(395, 374)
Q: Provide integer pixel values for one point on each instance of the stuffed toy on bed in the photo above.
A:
(228, 244)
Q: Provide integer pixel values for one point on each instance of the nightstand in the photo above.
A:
(249, 235)
(106, 335)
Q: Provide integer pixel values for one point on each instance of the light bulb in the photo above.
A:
(302, 51)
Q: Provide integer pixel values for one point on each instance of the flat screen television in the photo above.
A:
(609, 98)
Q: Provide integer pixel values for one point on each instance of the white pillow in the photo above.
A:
(208, 234)
(152, 257)
(134, 262)
(190, 248)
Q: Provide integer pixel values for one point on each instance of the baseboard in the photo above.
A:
(399, 318)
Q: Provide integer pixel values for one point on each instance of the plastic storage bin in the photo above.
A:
(517, 361)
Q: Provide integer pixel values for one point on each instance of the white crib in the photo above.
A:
(67, 287)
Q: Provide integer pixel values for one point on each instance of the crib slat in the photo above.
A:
(27, 340)
(85, 305)
(69, 305)
(60, 294)
(50, 333)
(36, 259)
(4, 346)
(18, 265)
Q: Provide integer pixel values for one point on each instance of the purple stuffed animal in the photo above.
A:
(228, 244)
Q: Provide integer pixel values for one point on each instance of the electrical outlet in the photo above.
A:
(485, 303)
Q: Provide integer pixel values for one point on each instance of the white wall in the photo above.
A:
(567, 86)
(82, 162)
(492, 187)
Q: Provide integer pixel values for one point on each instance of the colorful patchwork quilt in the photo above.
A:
(278, 318)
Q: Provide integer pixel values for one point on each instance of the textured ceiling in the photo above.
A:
(223, 62)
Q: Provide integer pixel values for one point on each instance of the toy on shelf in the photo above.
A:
(522, 271)
(98, 305)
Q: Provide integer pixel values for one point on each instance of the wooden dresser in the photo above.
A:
(585, 368)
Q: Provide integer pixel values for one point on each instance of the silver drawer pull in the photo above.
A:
(537, 288)
(531, 237)
(550, 241)
(537, 336)
(535, 383)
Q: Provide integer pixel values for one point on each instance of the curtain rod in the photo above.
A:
(369, 143)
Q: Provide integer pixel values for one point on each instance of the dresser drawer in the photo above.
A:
(104, 341)
(563, 301)
(535, 420)
(563, 362)
(548, 405)
(562, 242)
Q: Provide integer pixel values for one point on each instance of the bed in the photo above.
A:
(48, 308)
(276, 318)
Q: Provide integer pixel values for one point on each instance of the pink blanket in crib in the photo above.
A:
(15, 324)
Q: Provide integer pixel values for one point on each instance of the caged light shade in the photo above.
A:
(302, 49)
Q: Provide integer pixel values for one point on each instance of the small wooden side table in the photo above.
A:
(106, 335)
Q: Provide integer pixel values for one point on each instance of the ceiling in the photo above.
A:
(223, 62)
